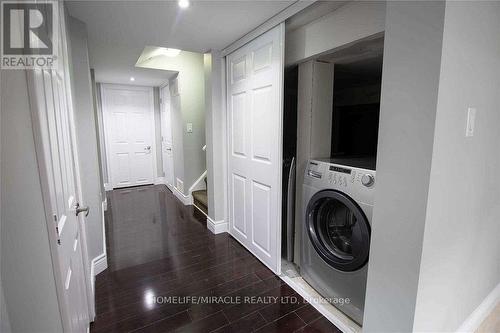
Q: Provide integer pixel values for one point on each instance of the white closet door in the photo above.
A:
(129, 127)
(55, 151)
(254, 105)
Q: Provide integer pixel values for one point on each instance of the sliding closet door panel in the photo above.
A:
(254, 106)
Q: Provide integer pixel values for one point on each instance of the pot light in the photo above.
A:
(132, 79)
(183, 4)
(171, 52)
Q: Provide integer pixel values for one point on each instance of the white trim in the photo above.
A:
(277, 19)
(92, 278)
(475, 319)
(330, 312)
(160, 181)
(198, 181)
(103, 222)
(99, 264)
(217, 227)
(185, 199)
(108, 186)
(107, 121)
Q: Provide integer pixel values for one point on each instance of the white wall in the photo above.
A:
(98, 125)
(4, 315)
(460, 262)
(26, 266)
(410, 79)
(215, 137)
(191, 87)
(86, 136)
(314, 124)
(351, 22)
(100, 128)
(177, 131)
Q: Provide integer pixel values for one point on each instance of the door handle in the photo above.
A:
(85, 209)
(148, 148)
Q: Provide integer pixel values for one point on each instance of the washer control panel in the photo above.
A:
(341, 176)
(357, 183)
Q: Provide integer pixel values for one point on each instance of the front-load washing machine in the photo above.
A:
(338, 202)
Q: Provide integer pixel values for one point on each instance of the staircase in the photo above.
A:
(200, 199)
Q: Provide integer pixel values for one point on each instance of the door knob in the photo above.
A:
(147, 148)
(85, 209)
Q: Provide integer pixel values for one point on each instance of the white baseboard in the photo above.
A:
(159, 181)
(108, 187)
(103, 222)
(99, 264)
(217, 227)
(185, 199)
(472, 323)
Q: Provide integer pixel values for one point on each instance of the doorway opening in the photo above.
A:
(331, 113)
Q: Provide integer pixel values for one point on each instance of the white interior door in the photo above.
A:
(53, 136)
(166, 135)
(129, 131)
(254, 104)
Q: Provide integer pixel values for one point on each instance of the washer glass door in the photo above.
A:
(338, 230)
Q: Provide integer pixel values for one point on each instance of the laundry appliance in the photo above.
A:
(338, 204)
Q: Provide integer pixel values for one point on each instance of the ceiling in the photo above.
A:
(118, 31)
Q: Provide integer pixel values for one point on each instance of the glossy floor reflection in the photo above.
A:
(157, 247)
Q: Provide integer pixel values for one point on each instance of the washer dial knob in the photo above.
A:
(367, 180)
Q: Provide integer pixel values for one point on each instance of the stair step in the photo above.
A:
(200, 199)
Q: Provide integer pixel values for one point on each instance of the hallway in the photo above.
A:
(156, 246)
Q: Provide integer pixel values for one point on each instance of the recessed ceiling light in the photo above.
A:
(183, 4)
(171, 52)
(132, 79)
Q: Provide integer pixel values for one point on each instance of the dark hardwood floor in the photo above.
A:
(157, 247)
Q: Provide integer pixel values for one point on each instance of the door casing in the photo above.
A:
(167, 143)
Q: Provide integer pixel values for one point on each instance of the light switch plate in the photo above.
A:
(189, 127)
(471, 120)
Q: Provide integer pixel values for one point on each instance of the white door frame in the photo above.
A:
(163, 86)
(106, 128)
(226, 135)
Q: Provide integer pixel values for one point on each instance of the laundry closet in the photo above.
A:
(299, 94)
(331, 109)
